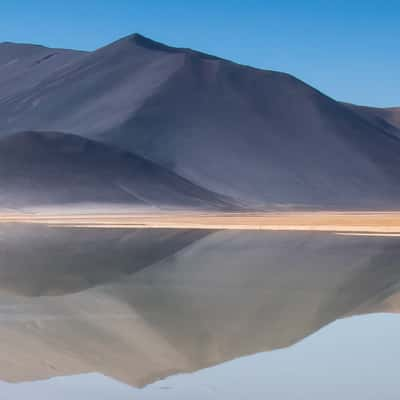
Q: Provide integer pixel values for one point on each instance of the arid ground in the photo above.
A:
(376, 223)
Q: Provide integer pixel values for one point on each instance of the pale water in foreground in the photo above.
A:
(194, 313)
(354, 358)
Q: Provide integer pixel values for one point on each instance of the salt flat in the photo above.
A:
(371, 222)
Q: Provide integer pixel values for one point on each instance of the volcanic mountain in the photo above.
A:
(384, 118)
(263, 138)
(23, 66)
(42, 168)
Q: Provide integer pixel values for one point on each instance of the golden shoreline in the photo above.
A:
(371, 222)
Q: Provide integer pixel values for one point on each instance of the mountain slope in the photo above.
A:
(261, 137)
(95, 94)
(23, 66)
(385, 118)
(39, 168)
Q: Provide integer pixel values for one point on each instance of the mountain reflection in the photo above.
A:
(139, 305)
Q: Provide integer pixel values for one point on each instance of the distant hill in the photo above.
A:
(38, 168)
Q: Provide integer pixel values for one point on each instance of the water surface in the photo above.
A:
(175, 313)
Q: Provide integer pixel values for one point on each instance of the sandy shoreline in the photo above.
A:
(321, 221)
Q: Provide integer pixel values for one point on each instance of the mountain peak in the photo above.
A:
(144, 42)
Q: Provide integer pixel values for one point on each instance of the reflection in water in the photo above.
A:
(139, 305)
(353, 358)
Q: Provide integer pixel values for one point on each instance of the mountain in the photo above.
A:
(384, 118)
(264, 138)
(41, 168)
(23, 66)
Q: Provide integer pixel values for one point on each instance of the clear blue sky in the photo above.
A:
(349, 49)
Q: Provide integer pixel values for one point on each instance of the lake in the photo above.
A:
(177, 314)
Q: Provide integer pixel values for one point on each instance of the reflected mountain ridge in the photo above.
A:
(140, 305)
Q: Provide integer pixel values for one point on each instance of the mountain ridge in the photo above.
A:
(263, 138)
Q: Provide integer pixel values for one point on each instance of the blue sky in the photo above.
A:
(348, 49)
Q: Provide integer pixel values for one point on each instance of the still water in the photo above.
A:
(172, 314)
